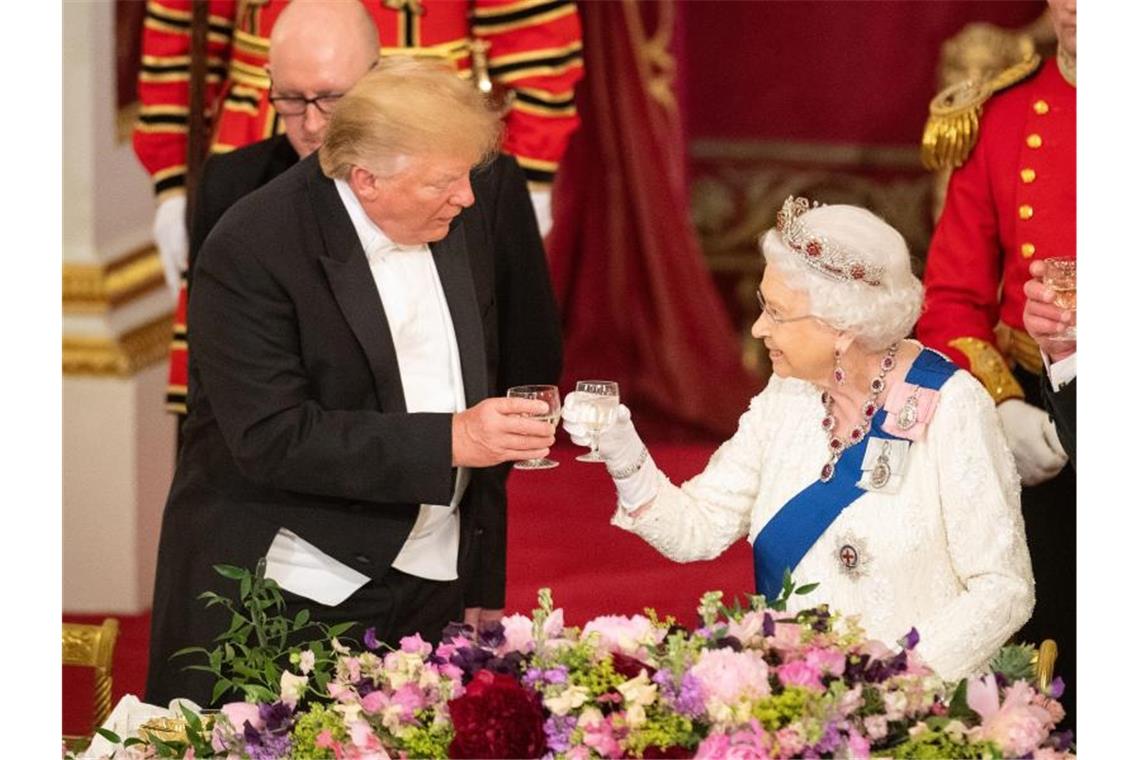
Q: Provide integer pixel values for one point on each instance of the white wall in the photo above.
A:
(118, 442)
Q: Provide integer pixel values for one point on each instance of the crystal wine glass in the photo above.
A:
(549, 394)
(1061, 278)
(600, 400)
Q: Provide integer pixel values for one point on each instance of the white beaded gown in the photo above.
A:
(946, 554)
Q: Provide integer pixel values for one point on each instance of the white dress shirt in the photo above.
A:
(430, 373)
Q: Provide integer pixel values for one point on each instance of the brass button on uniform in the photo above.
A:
(1033, 141)
(1040, 108)
(1028, 175)
(1028, 249)
(1025, 211)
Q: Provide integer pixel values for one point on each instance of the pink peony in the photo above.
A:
(750, 742)
(791, 741)
(374, 702)
(518, 635)
(628, 635)
(800, 673)
(415, 645)
(749, 630)
(858, 748)
(1015, 724)
(728, 676)
(830, 661)
(787, 637)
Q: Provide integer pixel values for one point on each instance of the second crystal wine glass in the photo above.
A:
(1061, 278)
(549, 394)
(600, 398)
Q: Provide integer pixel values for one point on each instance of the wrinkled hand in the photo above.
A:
(1033, 439)
(172, 240)
(495, 431)
(479, 618)
(618, 444)
(1044, 320)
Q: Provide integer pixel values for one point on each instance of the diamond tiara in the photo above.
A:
(824, 256)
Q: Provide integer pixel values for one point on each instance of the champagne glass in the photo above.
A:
(549, 394)
(600, 401)
(1061, 278)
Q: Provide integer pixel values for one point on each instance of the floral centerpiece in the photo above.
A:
(750, 682)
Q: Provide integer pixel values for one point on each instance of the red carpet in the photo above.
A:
(560, 537)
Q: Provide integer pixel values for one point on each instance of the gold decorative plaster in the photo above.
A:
(95, 288)
(92, 646)
(118, 357)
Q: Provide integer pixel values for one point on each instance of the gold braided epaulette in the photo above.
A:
(989, 366)
(952, 128)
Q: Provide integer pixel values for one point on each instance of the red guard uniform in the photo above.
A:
(535, 53)
(1013, 201)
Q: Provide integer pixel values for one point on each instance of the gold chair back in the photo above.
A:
(92, 646)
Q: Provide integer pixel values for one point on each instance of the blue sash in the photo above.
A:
(792, 531)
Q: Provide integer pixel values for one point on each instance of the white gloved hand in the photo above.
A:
(1033, 439)
(619, 444)
(172, 240)
(540, 199)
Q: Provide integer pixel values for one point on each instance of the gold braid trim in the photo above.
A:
(988, 365)
(951, 130)
(1019, 347)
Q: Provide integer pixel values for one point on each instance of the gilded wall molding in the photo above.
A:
(98, 288)
(123, 356)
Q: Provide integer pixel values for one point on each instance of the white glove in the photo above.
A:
(627, 460)
(172, 240)
(540, 199)
(1033, 440)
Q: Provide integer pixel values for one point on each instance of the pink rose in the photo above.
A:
(415, 645)
(800, 673)
(830, 661)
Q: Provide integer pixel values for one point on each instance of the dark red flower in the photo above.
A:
(674, 751)
(495, 718)
(629, 667)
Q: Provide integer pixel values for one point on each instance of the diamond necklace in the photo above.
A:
(837, 444)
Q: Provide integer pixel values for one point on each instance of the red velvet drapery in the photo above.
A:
(638, 303)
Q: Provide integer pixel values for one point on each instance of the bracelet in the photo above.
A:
(624, 472)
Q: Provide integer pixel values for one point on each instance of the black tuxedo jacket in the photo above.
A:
(1062, 406)
(297, 414)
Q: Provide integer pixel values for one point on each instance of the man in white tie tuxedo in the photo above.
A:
(351, 321)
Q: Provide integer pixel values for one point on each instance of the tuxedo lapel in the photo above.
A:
(354, 288)
(453, 265)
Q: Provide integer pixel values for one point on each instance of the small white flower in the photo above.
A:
(292, 688)
(308, 660)
(571, 698)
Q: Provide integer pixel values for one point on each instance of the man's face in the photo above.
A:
(310, 72)
(1064, 13)
(417, 204)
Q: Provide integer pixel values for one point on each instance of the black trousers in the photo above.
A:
(1050, 511)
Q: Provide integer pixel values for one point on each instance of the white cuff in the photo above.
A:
(1061, 373)
(638, 489)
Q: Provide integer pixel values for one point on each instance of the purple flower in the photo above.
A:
(910, 641)
(830, 741)
(1057, 687)
(557, 674)
(272, 748)
(686, 699)
(558, 729)
(277, 717)
(370, 639)
(769, 625)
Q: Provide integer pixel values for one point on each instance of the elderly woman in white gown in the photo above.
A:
(868, 464)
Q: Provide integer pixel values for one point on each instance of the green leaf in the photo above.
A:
(190, 650)
(245, 586)
(232, 572)
(220, 688)
(110, 736)
(807, 588)
(192, 719)
(301, 620)
(959, 708)
(339, 629)
(132, 741)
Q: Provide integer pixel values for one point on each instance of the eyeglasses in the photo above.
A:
(778, 320)
(295, 105)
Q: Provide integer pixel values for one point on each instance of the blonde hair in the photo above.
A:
(407, 107)
(877, 315)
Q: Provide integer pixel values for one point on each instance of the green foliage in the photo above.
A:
(938, 745)
(309, 725)
(261, 642)
(1016, 662)
(779, 710)
(663, 730)
(427, 741)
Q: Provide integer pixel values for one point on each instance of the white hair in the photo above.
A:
(878, 315)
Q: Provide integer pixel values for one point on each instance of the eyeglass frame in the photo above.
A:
(315, 102)
(778, 320)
